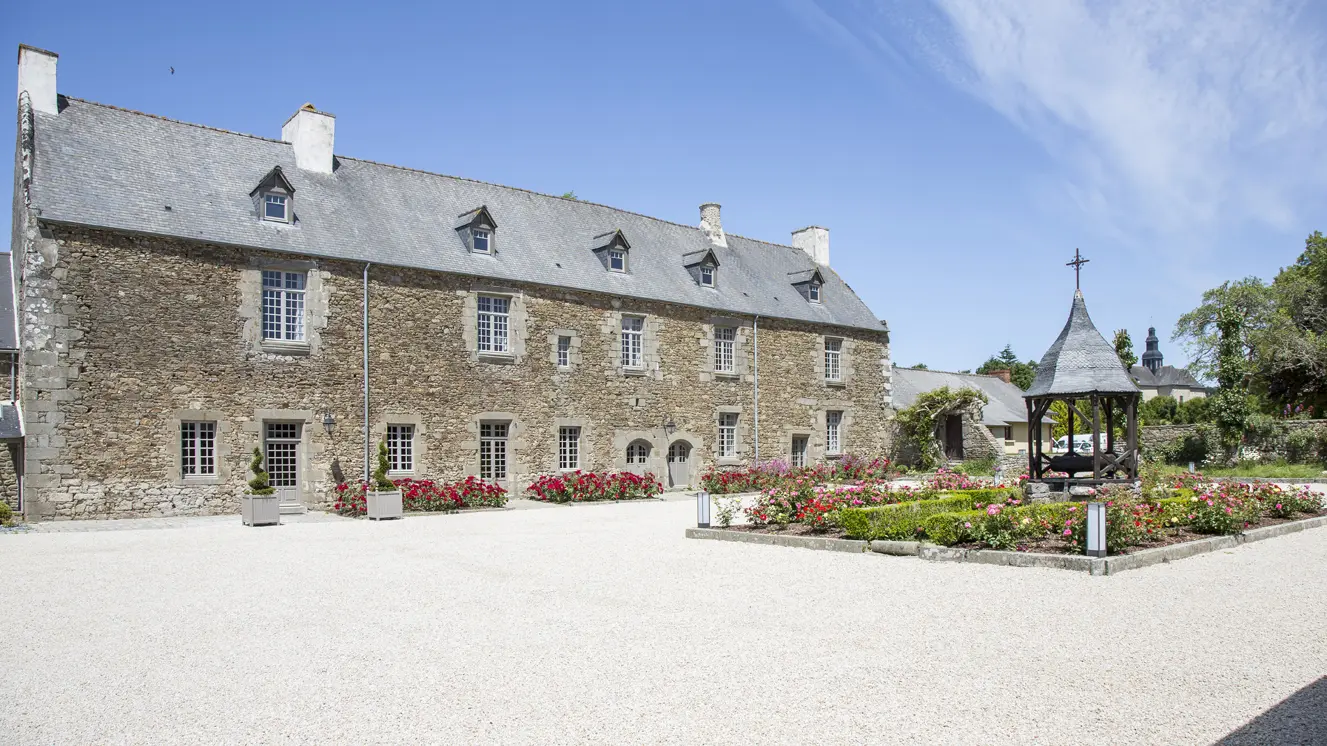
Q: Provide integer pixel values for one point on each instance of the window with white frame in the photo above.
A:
(494, 324)
(493, 450)
(564, 352)
(198, 449)
(633, 342)
(707, 276)
(617, 260)
(276, 207)
(637, 452)
(724, 340)
(813, 292)
(833, 433)
(727, 435)
(833, 359)
(798, 459)
(283, 305)
(481, 240)
(400, 448)
(569, 448)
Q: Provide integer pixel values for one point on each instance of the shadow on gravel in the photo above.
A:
(1301, 718)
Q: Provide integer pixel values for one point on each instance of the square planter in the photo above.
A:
(260, 510)
(384, 506)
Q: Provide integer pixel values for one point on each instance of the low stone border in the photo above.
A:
(580, 503)
(462, 511)
(1080, 563)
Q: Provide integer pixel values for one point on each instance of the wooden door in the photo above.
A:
(954, 437)
(283, 457)
(679, 466)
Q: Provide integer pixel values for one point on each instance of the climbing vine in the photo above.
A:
(1230, 405)
(917, 423)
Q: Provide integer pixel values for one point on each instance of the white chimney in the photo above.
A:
(36, 75)
(814, 240)
(711, 225)
(312, 133)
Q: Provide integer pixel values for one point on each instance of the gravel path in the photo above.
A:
(605, 625)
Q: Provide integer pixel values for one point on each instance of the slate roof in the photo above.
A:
(106, 167)
(8, 321)
(1005, 405)
(1166, 375)
(1080, 361)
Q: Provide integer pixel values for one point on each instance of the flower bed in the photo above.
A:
(584, 486)
(777, 473)
(425, 496)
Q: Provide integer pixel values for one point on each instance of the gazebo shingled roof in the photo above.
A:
(1080, 361)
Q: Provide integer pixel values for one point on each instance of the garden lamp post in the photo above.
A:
(702, 509)
(1096, 529)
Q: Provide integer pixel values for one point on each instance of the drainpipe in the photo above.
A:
(755, 394)
(366, 372)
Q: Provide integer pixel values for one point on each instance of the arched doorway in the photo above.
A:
(679, 464)
(638, 455)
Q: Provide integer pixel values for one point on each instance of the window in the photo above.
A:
(283, 305)
(637, 453)
(633, 334)
(569, 448)
(275, 207)
(724, 337)
(798, 459)
(400, 447)
(564, 352)
(198, 449)
(493, 324)
(707, 276)
(833, 359)
(727, 435)
(492, 450)
(617, 260)
(480, 240)
(833, 432)
(813, 292)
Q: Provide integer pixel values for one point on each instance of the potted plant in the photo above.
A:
(259, 506)
(382, 499)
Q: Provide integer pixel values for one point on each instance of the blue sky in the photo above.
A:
(958, 150)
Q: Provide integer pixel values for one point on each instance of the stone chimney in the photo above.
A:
(1005, 375)
(312, 133)
(711, 224)
(36, 75)
(814, 240)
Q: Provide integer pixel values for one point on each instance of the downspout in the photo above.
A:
(366, 372)
(755, 394)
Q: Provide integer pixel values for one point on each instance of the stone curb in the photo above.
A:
(1079, 563)
(583, 503)
(462, 511)
(1271, 480)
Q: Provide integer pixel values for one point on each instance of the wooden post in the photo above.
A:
(1070, 408)
(1132, 434)
(1096, 437)
(1110, 424)
(1031, 452)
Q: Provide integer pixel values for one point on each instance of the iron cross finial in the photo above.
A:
(1077, 264)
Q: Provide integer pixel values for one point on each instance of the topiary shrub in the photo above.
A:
(6, 514)
(380, 481)
(259, 484)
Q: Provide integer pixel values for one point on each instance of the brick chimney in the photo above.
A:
(814, 240)
(711, 224)
(36, 75)
(312, 133)
(1005, 375)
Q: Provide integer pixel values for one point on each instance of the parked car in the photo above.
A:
(1082, 443)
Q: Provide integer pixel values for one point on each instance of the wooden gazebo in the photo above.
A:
(1082, 370)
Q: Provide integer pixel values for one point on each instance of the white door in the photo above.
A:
(679, 470)
(283, 453)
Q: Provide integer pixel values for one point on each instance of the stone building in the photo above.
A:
(1156, 379)
(187, 294)
(998, 429)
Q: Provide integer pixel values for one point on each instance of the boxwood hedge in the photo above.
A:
(904, 520)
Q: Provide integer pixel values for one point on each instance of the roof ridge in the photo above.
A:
(949, 372)
(422, 171)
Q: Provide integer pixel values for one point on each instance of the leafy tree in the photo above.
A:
(1020, 374)
(1060, 412)
(1159, 410)
(1124, 349)
(1230, 406)
(1197, 329)
(921, 366)
(1194, 411)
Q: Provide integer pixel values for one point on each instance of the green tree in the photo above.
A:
(1230, 406)
(1159, 410)
(1197, 329)
(921, 366)
(1124, 349)
(1060, 412)
(1020, 374)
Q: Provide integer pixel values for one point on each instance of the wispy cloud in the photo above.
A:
(1166, 117)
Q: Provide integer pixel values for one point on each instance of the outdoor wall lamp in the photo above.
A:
(669, 427)
(329, 422)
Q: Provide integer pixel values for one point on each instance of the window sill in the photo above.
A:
(836, 384)
(497, 358)
(634, 371)
(727, 376)
(283, 347)
(200, 481)
(834, 456)
(730, 461)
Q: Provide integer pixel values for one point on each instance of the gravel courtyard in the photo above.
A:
(602, 624)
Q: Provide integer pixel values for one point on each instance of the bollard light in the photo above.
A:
(702, 509)
(1190, 467)
(1096, 529)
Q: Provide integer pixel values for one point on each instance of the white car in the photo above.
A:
(1082, 443)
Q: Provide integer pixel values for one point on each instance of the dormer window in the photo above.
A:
(702, 265)
(480, 238)
(276, 207)
(476, 230)
(813, 292)
(617, 260)
(273, 198)
(707, 276)
(612, 249)
(808, 283)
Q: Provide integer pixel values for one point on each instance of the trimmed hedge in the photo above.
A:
(904, 520)
(956, 527)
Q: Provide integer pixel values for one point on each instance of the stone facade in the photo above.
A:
(125, 337)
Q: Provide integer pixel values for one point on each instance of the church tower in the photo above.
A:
(1152, 356)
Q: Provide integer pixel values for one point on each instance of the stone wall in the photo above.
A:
(126, 336)
(1265, 446)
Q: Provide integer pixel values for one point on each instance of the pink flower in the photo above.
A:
(1067, 532)
(967, 524)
